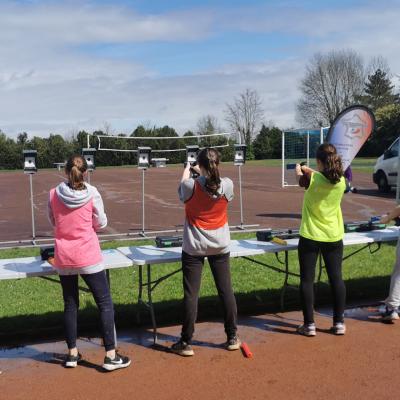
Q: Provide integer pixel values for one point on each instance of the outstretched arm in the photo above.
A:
(303, 175)
(385, 219)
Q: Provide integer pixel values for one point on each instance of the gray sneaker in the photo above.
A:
(233, 343)
(182, 348)
(338, 328)
(307, 330)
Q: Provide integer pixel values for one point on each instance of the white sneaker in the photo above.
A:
(307, 330)
(389, 315)
(338, 328)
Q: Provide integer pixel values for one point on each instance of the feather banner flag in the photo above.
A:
(350, 130)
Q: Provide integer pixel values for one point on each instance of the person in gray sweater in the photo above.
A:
(206, 234)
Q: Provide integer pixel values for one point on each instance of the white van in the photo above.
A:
(385, 170)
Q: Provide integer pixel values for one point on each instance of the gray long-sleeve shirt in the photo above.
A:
(202, 242)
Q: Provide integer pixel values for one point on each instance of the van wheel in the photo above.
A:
(383, 186)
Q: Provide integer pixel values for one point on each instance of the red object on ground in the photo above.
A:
(246, 351)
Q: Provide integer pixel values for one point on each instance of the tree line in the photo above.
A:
(55, 148)
(332, 82)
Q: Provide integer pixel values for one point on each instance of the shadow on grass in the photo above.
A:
(23, 328)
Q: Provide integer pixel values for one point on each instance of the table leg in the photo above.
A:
(149, 296)
(285, 282)
(140, 294)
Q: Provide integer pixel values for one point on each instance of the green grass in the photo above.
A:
(363, 164)
(34, 306)
(360, 164)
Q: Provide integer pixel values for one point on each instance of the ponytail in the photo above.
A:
(75, 168)
(331, 162)
(209, 160)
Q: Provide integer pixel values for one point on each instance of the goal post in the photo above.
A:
(299, 145)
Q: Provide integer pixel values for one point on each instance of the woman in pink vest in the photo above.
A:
(76, 211)
(206, 234)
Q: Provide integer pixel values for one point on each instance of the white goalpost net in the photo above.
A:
(298, 146)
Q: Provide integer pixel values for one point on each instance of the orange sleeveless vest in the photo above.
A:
(206, 212)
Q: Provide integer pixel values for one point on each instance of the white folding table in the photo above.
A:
(27, 267)
(150, 256)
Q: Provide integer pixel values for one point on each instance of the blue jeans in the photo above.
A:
(98, 285)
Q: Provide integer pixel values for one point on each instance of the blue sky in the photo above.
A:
(70, 65)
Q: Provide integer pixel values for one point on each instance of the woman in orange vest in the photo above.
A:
(206, 234)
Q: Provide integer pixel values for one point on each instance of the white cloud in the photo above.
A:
(47, 84)
(77, 23)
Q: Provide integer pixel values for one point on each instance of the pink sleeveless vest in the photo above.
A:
(76, 242)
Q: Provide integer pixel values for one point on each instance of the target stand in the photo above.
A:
(239, 160)
(89, 155)
(31, 169)
(144, 160)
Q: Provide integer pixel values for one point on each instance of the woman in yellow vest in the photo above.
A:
(206, 234)
(322, 231)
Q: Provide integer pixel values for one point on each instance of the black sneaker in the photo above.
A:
(117, 363)
(233, 343)
(72, 361)
(182, 348)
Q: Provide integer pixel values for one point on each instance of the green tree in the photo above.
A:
(168, 144)
(190, 141)
(268, 143)
(57, 149)
(22, 138)
(10, 154)
(387, 130)
(41, 146)
(378, 91)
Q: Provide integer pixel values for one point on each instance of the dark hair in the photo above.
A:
(209, 159)
(331, 162)
(75, 167)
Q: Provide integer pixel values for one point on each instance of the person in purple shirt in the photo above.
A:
(348, 174)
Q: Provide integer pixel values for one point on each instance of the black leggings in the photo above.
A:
(332, 253)
(98, 285)
(192, 267)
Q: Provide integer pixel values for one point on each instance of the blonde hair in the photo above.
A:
(75, 167)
